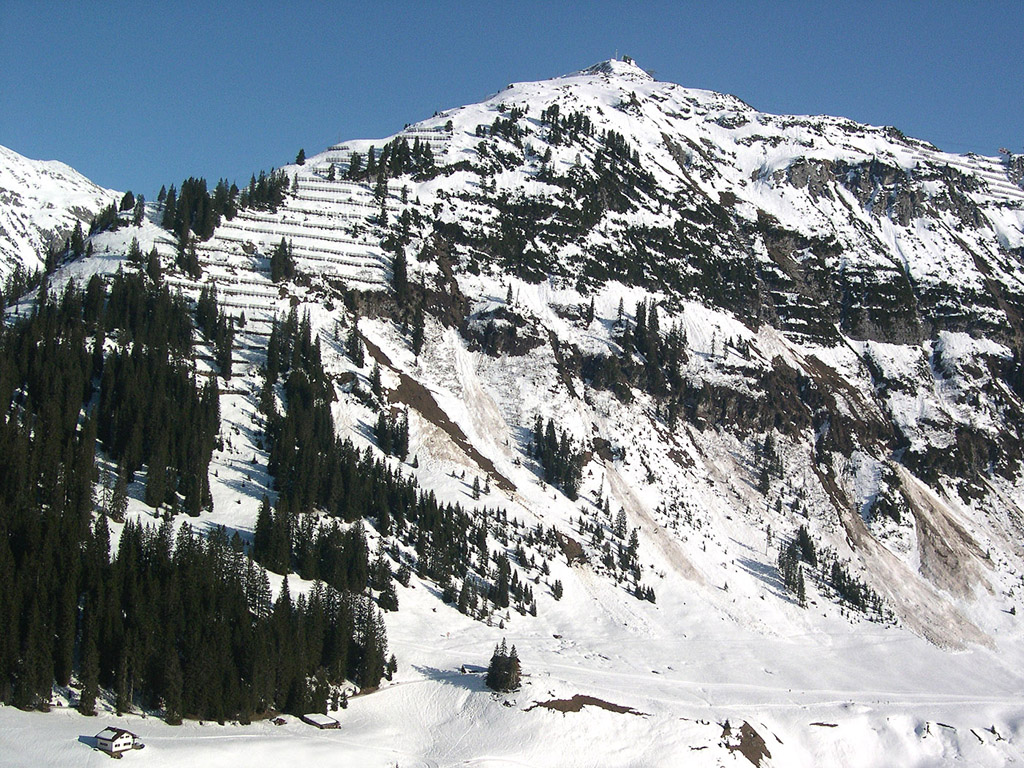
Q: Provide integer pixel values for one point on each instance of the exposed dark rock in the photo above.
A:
(816, 176)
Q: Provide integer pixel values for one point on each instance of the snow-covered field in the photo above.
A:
(817, 692)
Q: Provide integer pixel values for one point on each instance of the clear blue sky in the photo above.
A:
(139, 94)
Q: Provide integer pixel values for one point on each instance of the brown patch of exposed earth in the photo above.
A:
(579, 701)
(748, 743)
(413, 394)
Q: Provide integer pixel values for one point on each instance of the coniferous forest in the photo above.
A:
(104, 400)
(99, 386)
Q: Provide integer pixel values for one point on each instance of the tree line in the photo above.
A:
(194, 210)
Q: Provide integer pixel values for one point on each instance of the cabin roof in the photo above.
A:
(113, 733)
(319, 719)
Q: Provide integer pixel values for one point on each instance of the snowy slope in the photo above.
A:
(40, 202)
(844, 289)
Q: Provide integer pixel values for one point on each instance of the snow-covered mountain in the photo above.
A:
(788, 349)
(40, 203)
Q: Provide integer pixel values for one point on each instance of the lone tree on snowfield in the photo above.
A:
(503, 671)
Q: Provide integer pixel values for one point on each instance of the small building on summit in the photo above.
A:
(116, 740)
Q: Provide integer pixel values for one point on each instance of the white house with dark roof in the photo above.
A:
(115, 740)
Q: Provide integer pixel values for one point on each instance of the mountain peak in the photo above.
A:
(778, 355)
(624, 67)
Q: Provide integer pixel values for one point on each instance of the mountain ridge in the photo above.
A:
(780, 354)
(881, 167)
(40, 202)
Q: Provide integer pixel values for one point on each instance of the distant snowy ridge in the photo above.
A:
(40, 202)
